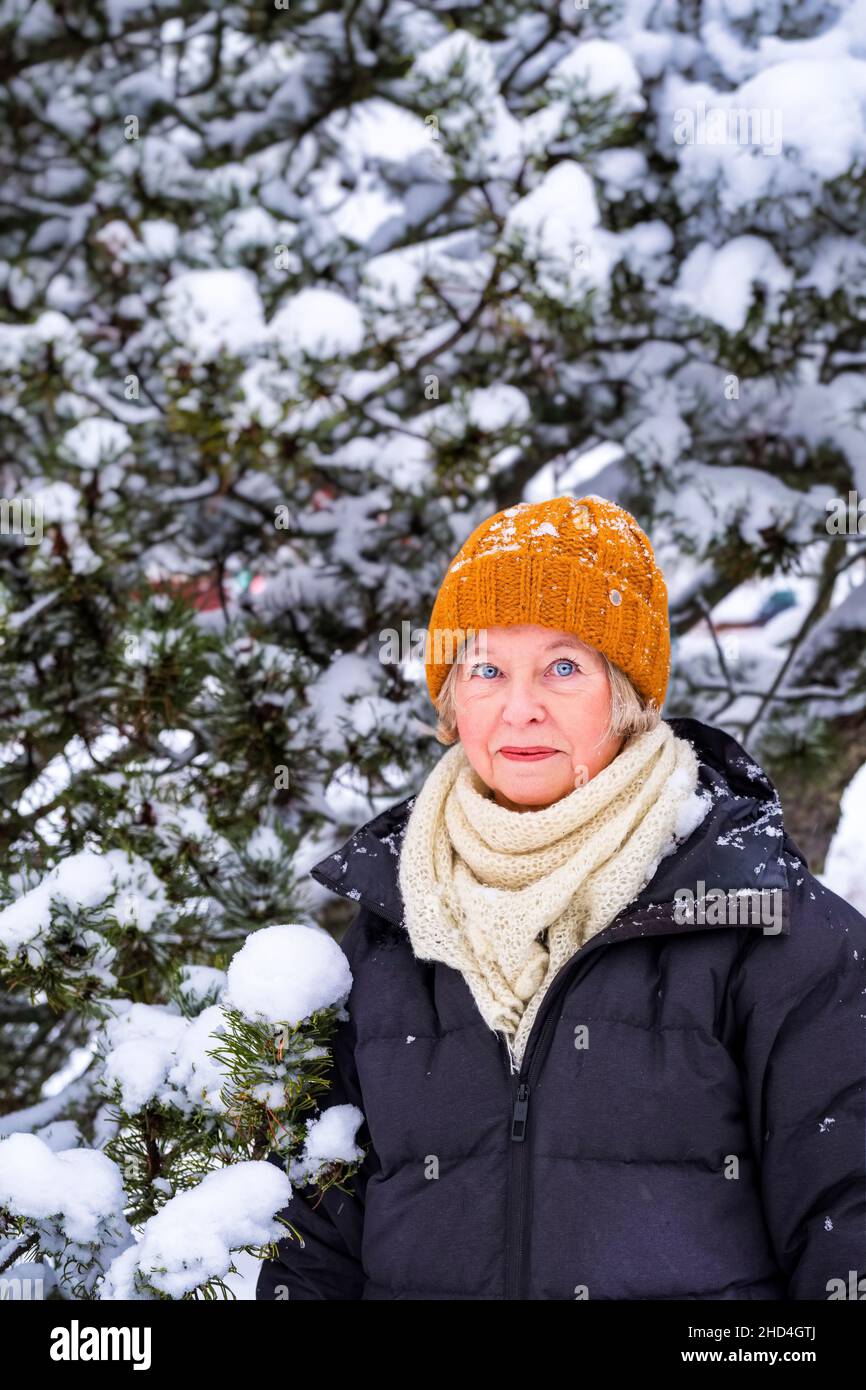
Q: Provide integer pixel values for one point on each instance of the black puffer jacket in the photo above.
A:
(688, 1121)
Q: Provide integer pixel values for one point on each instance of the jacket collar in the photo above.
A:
(738, 844)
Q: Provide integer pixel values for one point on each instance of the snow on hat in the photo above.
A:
(580, 565)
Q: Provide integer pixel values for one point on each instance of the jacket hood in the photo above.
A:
(739, 843)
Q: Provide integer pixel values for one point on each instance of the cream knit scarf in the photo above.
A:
(481, 883)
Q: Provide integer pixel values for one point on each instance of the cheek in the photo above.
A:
(474, 719)
(589, 713)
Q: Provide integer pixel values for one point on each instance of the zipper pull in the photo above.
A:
(521, 1105)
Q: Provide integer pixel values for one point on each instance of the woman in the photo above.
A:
(606, 1029)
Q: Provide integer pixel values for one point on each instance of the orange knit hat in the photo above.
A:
(580, 565)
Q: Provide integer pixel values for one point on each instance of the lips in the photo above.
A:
(528, 755)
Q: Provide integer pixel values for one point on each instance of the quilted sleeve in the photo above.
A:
(801, 1005)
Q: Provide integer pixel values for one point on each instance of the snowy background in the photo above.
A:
(292, 298)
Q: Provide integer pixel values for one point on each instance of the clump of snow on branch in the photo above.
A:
(284, 973)
(330, 1138)
(153, 1054)
(82, 881)
(190, 1241)
(74, 1198)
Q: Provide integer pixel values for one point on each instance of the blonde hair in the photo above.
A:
(629, 714)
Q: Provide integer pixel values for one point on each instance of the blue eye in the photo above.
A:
(560, 661)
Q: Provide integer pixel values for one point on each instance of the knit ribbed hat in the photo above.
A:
(576, 564)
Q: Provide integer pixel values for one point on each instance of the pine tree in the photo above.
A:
(291, 299)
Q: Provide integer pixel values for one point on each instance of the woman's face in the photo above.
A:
(533, 687)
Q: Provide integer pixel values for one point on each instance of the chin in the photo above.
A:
(531, 797)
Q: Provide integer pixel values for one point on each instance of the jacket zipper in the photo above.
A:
(533, 1058)
(520, 1153)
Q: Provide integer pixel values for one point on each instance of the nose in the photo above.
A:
(522, 703)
